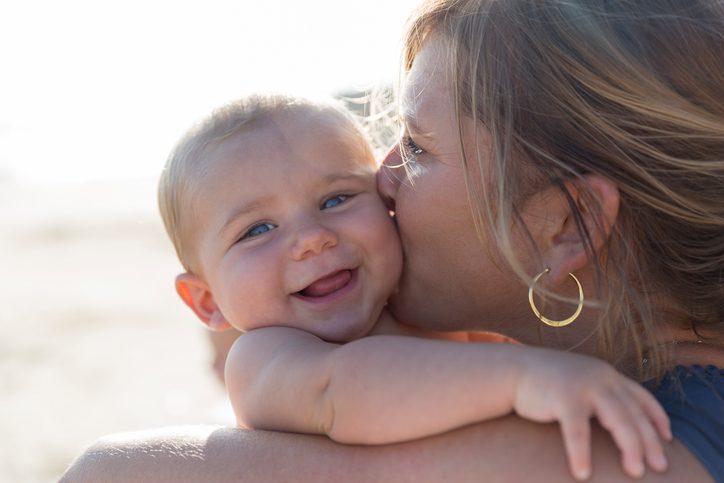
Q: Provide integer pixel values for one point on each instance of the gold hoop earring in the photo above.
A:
(547, 321)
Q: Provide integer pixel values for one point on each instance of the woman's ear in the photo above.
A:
(196, 294)
(596, 200)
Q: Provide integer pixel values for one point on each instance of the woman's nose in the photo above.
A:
(389, 177)
(313, 240)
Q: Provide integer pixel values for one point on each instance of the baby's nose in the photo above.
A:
(312, 240)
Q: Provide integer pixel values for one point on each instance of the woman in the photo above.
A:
(541, 139)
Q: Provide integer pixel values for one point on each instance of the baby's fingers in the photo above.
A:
(613, 414)
(645, 409)
(577, 441)
(653, 410)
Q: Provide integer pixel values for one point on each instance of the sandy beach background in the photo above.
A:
(93, 339)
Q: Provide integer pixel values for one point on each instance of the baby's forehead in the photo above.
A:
(343, 128)
(288, 135)
(307, 127)
(327, 119)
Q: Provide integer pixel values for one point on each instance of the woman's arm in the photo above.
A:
(388, 389)
(505, 449)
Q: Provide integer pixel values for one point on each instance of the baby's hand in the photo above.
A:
(570, 388)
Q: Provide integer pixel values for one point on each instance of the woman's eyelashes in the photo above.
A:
(410, 150)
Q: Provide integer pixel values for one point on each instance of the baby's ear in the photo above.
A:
(196, 294)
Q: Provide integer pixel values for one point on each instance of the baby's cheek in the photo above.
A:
(390, 253)
(248, 293)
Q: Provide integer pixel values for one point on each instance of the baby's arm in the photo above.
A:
(374, 390)
(385, 389)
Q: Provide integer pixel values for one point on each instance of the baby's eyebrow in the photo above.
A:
(347, 176)
(243, 210)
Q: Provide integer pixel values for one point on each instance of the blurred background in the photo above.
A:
(93, 95)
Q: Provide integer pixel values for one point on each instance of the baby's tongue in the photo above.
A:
(327, 285)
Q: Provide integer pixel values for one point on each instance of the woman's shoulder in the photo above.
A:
(693, 397)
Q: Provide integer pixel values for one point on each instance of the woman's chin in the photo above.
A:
(411, 309)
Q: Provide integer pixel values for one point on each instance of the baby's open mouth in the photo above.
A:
(327, 284)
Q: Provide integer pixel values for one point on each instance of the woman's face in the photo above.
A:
(451, 280)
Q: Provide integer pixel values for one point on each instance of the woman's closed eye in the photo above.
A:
(410, 152)
(410, 149)
(333, 201)
(256, 230)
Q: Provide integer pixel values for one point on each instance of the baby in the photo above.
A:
(272, 206)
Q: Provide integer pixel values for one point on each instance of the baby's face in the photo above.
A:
(291, 230)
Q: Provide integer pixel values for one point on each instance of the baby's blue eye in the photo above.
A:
(257, 230)
(334, 201)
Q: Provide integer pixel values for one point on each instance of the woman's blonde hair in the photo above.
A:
(186, 165)
(630, 90)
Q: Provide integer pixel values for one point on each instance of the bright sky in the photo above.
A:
(102, 90)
